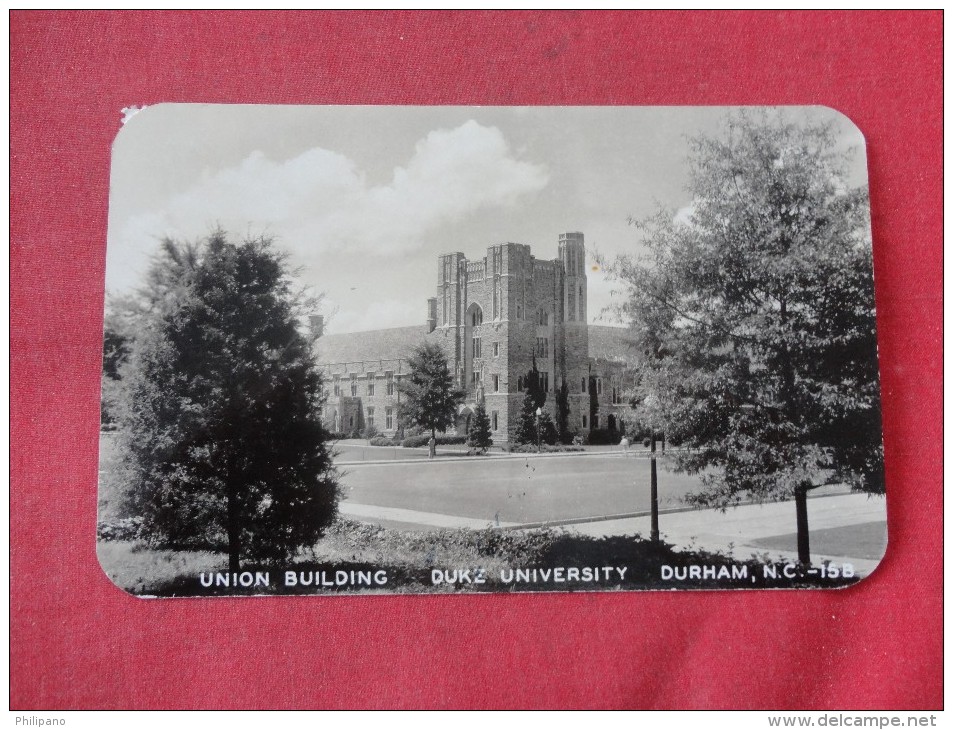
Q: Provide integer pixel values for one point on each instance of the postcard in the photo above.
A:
(375, 349)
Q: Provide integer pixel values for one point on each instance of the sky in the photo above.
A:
(363, 199)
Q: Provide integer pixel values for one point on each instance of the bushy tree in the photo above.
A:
(429, 398)
(755, 317)
(480, 435)
(220, 437)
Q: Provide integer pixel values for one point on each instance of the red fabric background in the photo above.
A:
(79, 642)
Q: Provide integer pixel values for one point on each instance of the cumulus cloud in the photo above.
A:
(321, 201)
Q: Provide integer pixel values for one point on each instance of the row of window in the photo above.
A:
(494, 419)
(476, 377)
(476, 348)
(476, 315)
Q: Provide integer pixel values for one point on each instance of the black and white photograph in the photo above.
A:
(359, 349)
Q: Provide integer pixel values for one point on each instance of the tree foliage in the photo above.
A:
(562, 413)
(220, 437)
(480, 435)
(530, 427)
(429, 398)
(754, 316)
(535, 386)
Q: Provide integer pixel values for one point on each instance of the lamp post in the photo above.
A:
(652, 403)
(539, 412)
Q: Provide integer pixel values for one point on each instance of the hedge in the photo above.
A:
(412, 442)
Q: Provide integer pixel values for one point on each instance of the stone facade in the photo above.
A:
(491, 317)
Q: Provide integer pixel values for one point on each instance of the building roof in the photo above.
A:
(605, 343)
(609, 343)
(389, 344)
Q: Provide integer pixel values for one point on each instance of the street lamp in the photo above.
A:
(652, 403)
(539, 412)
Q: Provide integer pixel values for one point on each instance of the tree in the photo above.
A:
(755, 317)
(562, 413)
(480, 435)
(530, 427)
(429, 397)
(535, 386)
(220, 437)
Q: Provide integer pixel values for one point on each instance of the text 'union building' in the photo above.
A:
(491, 317)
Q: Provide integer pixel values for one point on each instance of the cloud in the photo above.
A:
(320, 200)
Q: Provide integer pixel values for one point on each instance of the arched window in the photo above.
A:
(476, 317)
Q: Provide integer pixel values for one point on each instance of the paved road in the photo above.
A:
(516, 490)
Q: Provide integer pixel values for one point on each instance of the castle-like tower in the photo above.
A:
(495, 315)
(492, 317)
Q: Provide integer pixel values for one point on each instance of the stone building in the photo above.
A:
(492, 317)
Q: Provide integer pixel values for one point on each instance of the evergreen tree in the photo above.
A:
(526, 424)
(480, 435)
(429, 397)
(562, 413)
(531, 428)
(535, 386)
(220, 438)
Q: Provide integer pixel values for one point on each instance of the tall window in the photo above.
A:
(476, 317)
(496, 383)
(497, 299)
(598, 387)
(476, 377)
(543, 318)
(388, 418)
(495, 419)
(519, 383)
(496, 349)
(544, 381)
(583, 385)
(572, 305)
(542, 347)
(390, 384)
(370, 416)
(584, 422)
(370, 383)
(477, 346)
(337, 389)
(353, 385)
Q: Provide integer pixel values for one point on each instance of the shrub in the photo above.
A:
(384, 441)
(545, 448)
(412, 442)
(603, 437)
(370, 431)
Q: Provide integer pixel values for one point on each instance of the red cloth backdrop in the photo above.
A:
(79, 642)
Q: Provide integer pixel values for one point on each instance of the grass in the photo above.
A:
(409, 558)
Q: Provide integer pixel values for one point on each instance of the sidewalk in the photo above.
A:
(741, 531)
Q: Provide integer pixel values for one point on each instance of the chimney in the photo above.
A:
(317, 325)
